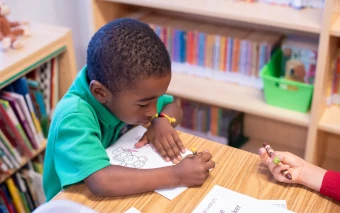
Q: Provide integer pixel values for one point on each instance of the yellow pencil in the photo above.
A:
(194, 150)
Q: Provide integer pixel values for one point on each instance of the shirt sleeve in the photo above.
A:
(331, 185)
(164, 100)
(78, 151)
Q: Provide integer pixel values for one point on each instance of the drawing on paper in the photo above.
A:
(127, 159)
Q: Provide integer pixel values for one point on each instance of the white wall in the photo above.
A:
(75, 14)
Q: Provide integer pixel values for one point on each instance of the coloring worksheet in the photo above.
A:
(124, 153)
(224, 200)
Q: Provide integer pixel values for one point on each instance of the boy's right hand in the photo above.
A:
(193, 170)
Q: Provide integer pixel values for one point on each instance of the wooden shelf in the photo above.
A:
(305, 20)
(231, 96)
(330, 120)
(335, 28)
(44, 43)
(3, 177)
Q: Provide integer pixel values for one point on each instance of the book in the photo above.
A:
(3, 167)
(21, 101)
(6, 159)
(12, 150)
(10, 205)
(4, 203)
(36, 179)
(23, 189)
(13, 130)
(39, 105)
(21, 118)
(30, 189)
(20, 86)
(15, 195)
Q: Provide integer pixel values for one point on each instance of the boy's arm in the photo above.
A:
(118, 180)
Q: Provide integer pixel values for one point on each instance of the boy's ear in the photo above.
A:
(99, 91)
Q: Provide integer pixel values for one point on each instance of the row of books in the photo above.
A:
(333, 91)
(25, 108)
(23, 192)
(216, 48)
(212, 121)
(298, 4)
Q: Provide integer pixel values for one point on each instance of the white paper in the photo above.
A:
(132, 210)
(124, 153)
(223, 200)
(276, 203)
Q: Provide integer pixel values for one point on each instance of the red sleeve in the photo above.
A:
(331, 185)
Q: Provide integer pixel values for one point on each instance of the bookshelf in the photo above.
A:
(307, 20)
(244, 99)
(23, 163)
(335, 30)
(45, 43)
(314, 127)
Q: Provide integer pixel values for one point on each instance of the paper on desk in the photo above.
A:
(132, 210)
(223, 200)
(276, 203)
(124, 153)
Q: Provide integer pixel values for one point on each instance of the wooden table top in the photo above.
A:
(236, 170)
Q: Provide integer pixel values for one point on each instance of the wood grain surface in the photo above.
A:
(237, 170)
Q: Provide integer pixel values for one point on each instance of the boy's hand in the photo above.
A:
(165, 140)
(194, 170)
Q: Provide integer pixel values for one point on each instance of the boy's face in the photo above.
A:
(135, 106)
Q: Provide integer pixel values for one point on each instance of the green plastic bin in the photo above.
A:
(284, 93)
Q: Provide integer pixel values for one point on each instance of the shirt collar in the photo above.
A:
(105, 115)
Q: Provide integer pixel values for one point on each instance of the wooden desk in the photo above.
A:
(236, 170)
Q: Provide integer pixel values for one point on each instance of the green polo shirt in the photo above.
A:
(80, 131)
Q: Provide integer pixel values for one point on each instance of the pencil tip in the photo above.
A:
(194, 150)
(264, 145)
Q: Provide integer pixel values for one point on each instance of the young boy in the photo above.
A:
(128, 71)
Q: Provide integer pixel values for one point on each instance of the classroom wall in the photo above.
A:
(74, 14)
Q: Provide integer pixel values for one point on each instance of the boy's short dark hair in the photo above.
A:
(124, 52)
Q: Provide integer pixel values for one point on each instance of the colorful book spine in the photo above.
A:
(39, 105)
(227, 50)
(9, 130)
(15, 195)
(230, 48)
(223, 54)
(6, 159)
(20, 86)
(21, 101)
(7, 152)
(12, 150)
(13, 121)
(22, 119)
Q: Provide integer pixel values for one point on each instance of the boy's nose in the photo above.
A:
(152, 110)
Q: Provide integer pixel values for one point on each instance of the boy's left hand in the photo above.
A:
(165, 140)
